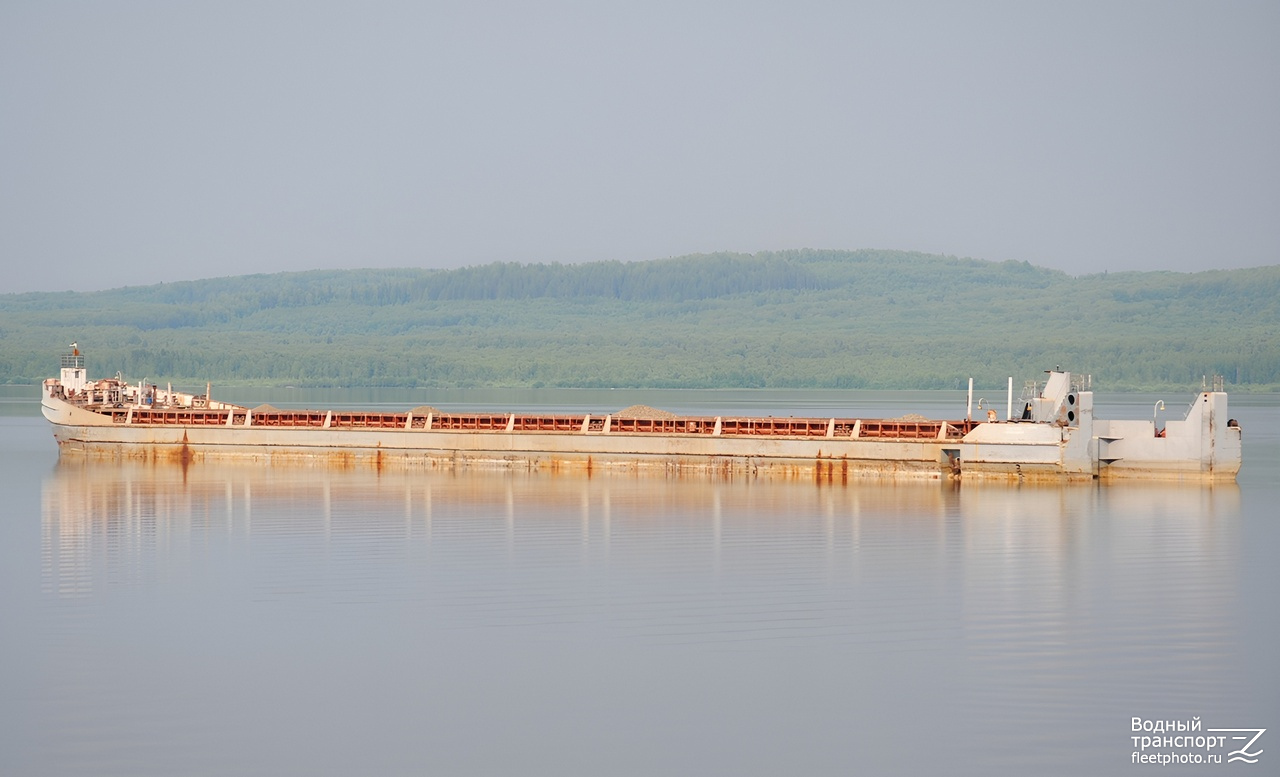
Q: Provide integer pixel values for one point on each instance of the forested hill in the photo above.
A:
(855, 319)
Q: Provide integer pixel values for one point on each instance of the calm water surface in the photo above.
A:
(240, 620)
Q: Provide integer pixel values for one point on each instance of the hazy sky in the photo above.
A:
(159, 141)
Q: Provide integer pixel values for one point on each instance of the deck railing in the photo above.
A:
(878, 429)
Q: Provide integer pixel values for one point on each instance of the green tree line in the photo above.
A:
(845, 319)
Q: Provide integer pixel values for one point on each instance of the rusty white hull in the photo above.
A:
(79, 433)
(1056, 439)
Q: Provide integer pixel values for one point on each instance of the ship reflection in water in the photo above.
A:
(882, 609)
(123, 523)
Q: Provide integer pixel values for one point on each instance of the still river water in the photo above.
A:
(240, 620)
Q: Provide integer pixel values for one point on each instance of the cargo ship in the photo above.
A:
(1053, 436)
